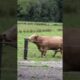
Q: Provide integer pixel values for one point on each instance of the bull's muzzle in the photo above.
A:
(28, 39)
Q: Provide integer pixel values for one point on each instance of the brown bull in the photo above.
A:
(9, 37)
(45, 43)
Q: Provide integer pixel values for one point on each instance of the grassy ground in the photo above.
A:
(33, 53)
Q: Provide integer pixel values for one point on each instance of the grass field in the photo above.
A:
(24, 29)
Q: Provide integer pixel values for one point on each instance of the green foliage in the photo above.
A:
(40, 10)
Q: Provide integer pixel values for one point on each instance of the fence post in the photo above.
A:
(25, 48)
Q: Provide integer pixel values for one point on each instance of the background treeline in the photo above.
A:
(40, 10)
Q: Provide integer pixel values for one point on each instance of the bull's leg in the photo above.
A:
(45, 53)
(61, 51)
(55, 53)
(42, 54)
(41, 50)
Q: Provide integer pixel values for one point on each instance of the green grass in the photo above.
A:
(33, 53)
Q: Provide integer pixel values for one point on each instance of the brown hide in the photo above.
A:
(49, 42)
(71, 48)
(10, 36)
(45, 43)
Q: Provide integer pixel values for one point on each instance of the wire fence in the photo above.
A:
(39, 30)
(40, 23)
(25, 47)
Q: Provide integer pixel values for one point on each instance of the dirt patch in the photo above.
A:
(41, 71)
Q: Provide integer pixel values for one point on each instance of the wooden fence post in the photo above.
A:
(25, 48)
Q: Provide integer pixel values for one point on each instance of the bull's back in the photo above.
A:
(52, 42)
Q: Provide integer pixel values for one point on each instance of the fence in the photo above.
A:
(39, 30)
(40, 23)
(25, 48)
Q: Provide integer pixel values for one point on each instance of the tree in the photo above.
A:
(42, 10)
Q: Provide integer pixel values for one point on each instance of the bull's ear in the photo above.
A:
(36, 37)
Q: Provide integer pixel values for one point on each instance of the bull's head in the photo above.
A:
(33, 38)
(9, 37)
